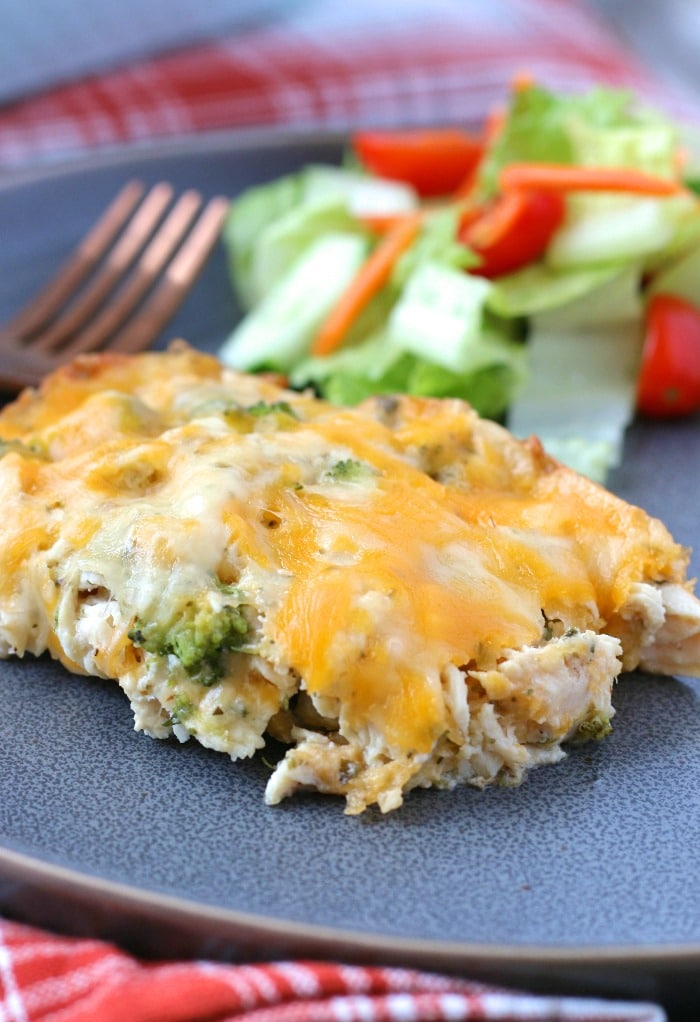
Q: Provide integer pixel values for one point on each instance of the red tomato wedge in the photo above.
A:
(669, 377)
(435, 162)
(512, 231)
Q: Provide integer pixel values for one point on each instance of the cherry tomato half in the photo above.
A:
(512, 231)
(434, 162)
(669, 377)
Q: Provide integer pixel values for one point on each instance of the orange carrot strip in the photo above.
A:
(522, 80)
(380, 223)
(680, 160)
(467, 188)
(370, 278)
(495, 122)
(493, 127)
(565, 178)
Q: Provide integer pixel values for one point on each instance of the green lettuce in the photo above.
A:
(601, 126)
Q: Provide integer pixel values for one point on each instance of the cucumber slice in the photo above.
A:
(439, 316)
(364, 195)
(282, 242)
(279, 330)
(605, 229)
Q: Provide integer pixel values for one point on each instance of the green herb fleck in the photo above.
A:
(228, 588)
(243, 417)
(349, 471)
(180, 711)
(271, 408)
(24, 450)
(553, 627)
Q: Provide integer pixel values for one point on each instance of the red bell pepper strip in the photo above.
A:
(512, 231)
(435, 162)
(669, 376)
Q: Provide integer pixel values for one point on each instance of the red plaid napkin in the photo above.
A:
(335, 65)
(51, 979)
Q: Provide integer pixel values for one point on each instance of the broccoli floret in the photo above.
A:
(595, 727)
(271, 408)
(198, 636)
(349, 471)
(243, 417)
(25, 450)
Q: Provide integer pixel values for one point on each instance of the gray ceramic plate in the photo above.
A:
(583, 879)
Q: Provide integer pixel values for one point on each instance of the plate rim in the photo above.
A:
(31, 869)
(224, 141)
(24, 866)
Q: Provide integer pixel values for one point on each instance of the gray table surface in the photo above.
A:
(664, 33)
(44, 43)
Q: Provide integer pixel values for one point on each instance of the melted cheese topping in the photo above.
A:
(373, 549)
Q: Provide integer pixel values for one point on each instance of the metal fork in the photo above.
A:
(119, 287)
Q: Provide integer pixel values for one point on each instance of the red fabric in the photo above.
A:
(390, 62)
(44, 978)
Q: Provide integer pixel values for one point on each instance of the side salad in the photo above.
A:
(547, 270)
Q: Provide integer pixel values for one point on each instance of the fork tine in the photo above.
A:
(151, 262)
(76, 268)
(177, 280)
(161, 264)
(118, 260)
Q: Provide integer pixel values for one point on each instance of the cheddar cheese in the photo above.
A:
(400, 592)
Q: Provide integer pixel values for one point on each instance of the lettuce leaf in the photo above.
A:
(539, 287)
(379, 365)
(270, 225)
(580, 391)
(601, 126)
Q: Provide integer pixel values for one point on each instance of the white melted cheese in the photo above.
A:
(452, 604)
